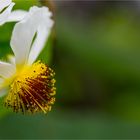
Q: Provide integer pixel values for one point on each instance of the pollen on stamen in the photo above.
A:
(32, 90)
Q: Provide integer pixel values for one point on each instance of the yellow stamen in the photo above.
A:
(32, 89)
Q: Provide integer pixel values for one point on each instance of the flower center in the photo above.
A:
(32, 89)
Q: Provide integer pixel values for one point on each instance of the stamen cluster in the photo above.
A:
(32, 89)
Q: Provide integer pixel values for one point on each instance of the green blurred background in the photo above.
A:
(95, 51)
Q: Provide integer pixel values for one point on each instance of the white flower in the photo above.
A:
(29, 86)
(6, 14)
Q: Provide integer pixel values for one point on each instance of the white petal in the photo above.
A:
(6, 70)
(37, 21)
(5, 14)
(3, 91)
(39, 43)
(4, 3)
(16, 15)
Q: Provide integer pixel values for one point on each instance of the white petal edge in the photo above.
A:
(16, 15)
(6, 69)
(4, 3)
(6, 13)
(25, 30)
